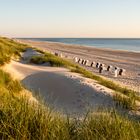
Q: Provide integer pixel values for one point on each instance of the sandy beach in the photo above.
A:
(130, 61)
(63, 90)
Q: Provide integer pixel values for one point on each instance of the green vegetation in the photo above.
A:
(8, 49)
(7, 83)
(21, 118)
(53, 60)
(125, 102)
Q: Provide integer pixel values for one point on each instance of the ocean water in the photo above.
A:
(117, 44)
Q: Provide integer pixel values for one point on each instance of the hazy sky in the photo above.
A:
(70, 18)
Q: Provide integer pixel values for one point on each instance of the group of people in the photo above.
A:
(101, 67)
(117, 71)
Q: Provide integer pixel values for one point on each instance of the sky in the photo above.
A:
(70, 18)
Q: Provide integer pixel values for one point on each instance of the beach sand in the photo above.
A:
(65, 91)
(122, 59)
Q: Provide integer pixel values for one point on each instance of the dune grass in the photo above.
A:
(9, 84)
(23, 119)
(125, 102)
(9, 48)
(53, 60)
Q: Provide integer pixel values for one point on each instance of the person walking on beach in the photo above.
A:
(100, 68)
(116, 72)
(97, 65)
(108, 68)
(92, 63)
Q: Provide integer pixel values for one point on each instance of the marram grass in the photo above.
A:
(9, 48)
(22, 119)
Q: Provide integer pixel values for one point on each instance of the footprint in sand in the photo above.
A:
(81, 106)
(79, 100)
(93, 96)
(79, 95)
(102, 89)
(74, 102)
(105, 92)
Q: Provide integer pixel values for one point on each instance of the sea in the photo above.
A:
(129, 44)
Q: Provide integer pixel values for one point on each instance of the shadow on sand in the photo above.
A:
(65, 93)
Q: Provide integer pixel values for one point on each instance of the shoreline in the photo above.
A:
(87, 46)
(121, 59)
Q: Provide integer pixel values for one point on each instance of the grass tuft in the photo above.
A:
(125, 102)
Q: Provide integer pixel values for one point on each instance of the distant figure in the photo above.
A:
(116, 72)
(100, 68)
(108, 68)
(92, 64)
(79, 60)
(75, 59)
(83, 61)
(87, 61)
(97, 64)
(103, 65)
(56, 54)
(121, 72)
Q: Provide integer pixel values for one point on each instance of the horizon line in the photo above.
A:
(79, 37)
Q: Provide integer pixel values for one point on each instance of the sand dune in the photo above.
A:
(60, 88)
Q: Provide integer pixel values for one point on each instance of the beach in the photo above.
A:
(130, 61)
(58, 87)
